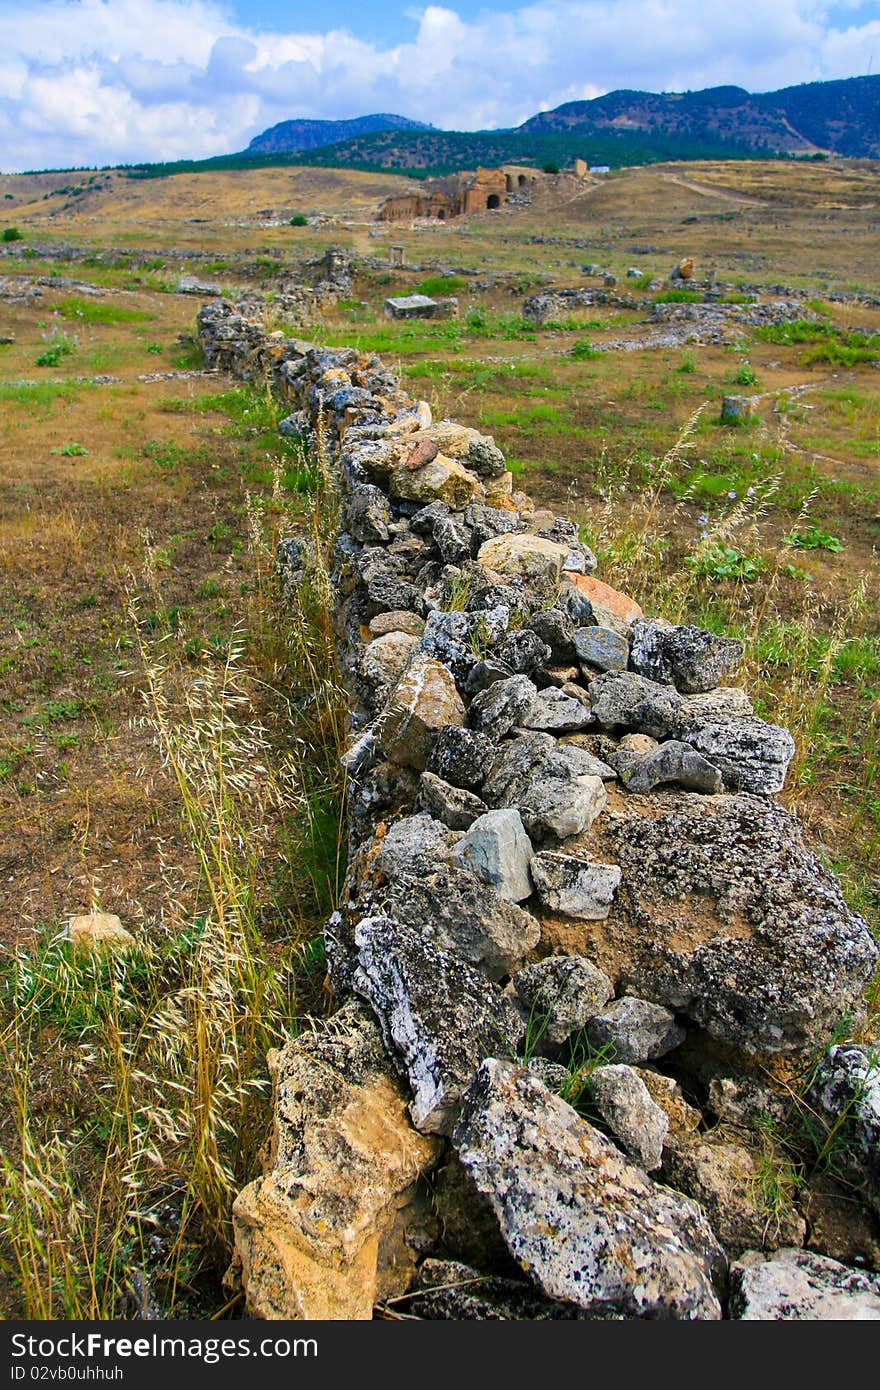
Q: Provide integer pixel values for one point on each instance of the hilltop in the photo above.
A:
(289, 137)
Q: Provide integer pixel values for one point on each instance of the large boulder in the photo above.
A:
(311, 1234)
(422, 703)
(587, 1226)
(690, 658)
(723, 915)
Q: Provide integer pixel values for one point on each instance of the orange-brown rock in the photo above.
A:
(603, 596)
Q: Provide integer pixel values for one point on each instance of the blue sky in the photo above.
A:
(107, 81)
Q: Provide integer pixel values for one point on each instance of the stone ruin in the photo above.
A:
(569, 880)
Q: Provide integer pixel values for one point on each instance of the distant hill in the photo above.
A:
(840, 117)
(289, 137)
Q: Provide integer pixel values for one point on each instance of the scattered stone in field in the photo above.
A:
(585, 1225)
(555, 711)
(724, 1177)
(737, 410)
(684, 270)
(562, 993)
(575, 887)
(634, 1030)
(453, 806)
(798, 1285)
(462, 756)
(844, 1098)
(498, 851)
(621, 698)
(191, 284)
(439, 1017)
(691, 659)
(312, 1234)
(99, 931)
(623, 1102)
(670, 762)
(415, 845)
(601, 648)
(751, 755)
(503, 704)
(485, 929)
(423, 702)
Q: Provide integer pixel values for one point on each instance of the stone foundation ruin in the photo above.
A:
(569, 882)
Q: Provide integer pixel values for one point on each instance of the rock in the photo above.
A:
(727, 702)
(450, 1290)
(414, 846)
(497, 849)
(737, 410)
(439, 478)
(839, 1227)
(585, 1225)
(423, 702)
(724, 916)
(468, 1229)
(684, 270)
(453, 806)
(725, 1178)
(561, 994)
(554, 1075)
(797, 1285)
(692, 659)
(523, 651)
(495, 710)
(602, 648)
(684, 1119)
(555, 711)
(439, 1017)
(573, 886)
(484, 674)
(367, 515)
(399, 621)
(384, 659)
(191, 284)
(462, 756)
(525, 556)
(744, 1102)
(310, 1235)
(670, 762)
(602, 597)
(621, 698)
(557, 631)
(456, 638)
(623, 1102)
(634, 1030)
(540, 779)
(485, 929)
(386, 593)
(844, 1098)
(99, 931)
(488, 522)
(751, 755)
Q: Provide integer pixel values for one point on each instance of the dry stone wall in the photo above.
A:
(569, 879)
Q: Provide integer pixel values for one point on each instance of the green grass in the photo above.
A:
(84, 310)
(440, 285)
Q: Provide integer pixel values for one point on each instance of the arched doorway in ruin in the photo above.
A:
(522, 180)
(493, 201)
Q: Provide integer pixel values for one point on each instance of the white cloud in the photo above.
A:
(103, 81)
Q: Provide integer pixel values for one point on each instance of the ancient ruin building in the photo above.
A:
(478, 190)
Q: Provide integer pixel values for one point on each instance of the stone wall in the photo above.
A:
(569, 881)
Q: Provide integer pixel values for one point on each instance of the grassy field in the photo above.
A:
(169, 730)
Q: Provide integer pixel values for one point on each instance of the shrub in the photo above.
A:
(550, 168)
(299, 220)
(10, 234)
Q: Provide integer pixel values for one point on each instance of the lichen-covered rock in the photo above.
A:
(634, 1030)
(587, 1226)
(309, 1234)
(621, 698)
(684, 1119)
(498, 851)
(454, 1291)
(422, 703)
(557, 631)
(453, 806)
(399, 621)
(385, 658)
(522, 555)
(670, 762)
(555, 711)
(561, 994)
(844, 1098)
(462, 756)
(502, 704)
(751, 755)
(601, 648)
(367, 514)
(540, 779)
(798, 1285)
(439, 1017)
(723, 915)
(620, 1098)
(456, 637)
(461, 916)
(523, 651)
(689, 658)
(415, 845)
(573, 886)
(441, 478)
(725, 1178)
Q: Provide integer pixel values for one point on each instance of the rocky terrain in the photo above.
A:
(583, 952)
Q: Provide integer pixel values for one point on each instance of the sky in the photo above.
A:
(93, 82)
